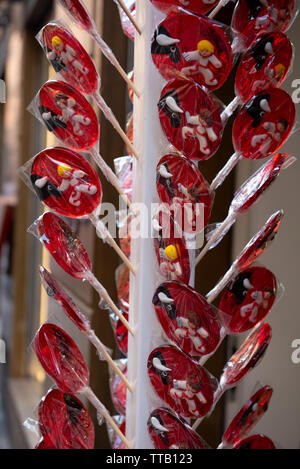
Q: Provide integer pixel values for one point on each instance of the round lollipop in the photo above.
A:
(255, 442)
(178, 181)
(190, 119)
(118, 390)
(199, 7)
(66, 183)
(247, 417)
(260, 128)
(70, 59)
(54, 290)
(252, 17)
(63, 362)
(79, 14)
(249, 193)
(69, 253)
(169, 431)
(193, 45)
(248, 356)
(180, 381)
(64, 422)
(186, 318)
(251, 252)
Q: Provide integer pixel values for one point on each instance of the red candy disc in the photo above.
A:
(265, 64)
(248, 299)
(78, 12)
(64, 422)
(190, 119)
(253, 17)
(168, 431)
(247, 357)
(180, 381)
(195, 46)
(259, 243)
(121, 334)
(178, 181)
(61, 359)
(118, 389)
(63, 245)
(70, 59)
(199, 7)
(55, 291)
(68, 115)
(256, 442)
(66, 182)
(248, 416)
(186, 318)
(263, 124)
(123, 287)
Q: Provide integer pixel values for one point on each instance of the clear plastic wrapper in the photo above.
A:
(198, 7)
(118, 390)
(169, 431)
(190, 118)
(195, 46)
(124, 172)
(249, 415)
(127, 26)
(186, 318)
(256, 442)
(180, 381)
(123, 285)
(116, 442)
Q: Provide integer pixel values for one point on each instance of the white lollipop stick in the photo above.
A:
(129, 15)
(225, 171)
(229, 110)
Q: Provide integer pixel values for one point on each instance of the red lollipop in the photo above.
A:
(118, 390)
(70, 254)
(190, 119)
(121, 335)
(256, 442)
(64, 422)
(63, 362)
(247, 417)
(178, 181)
(45, 443)
(249, 193)
(169, 431)
(180, 381)
(252, 17)
(195, 46)
(248, 299)
(186, 318)
(199, 7)
(123, 287)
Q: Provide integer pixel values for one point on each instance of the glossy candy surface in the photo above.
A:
(263, 124)
(256, 442)
(64, 422)
(78, 12)
(199, 7)
(190, 119)
(248, 299)
(169, 431)
(66, 182)
(70, 59)
(195, 46)
(61, 359)
(252, 17)
(117, 443)
(178, 181)
(121, 334)
(247, 357)
(265, 64)
(127, 26)
(180, 381)
(118, 389)
(186, 318)
(248, 416)
(63, 245)
(67, 114)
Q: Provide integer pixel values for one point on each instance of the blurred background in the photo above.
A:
(24, 306)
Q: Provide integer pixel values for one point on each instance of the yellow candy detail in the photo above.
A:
(56, 41)
(172, 252)
(280, 68)
(62, 168)
(205, 45)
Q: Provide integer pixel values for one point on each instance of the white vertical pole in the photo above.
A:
(148, 140)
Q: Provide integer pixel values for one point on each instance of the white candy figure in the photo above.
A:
(69, 114)
(190, 328)
(203, 56)
(198, 128)
(188, 391)
(66, 55)
(273, 132)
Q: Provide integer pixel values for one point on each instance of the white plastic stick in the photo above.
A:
(229, 110)
(225, 171)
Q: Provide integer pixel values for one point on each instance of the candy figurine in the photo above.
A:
(195, 46)
(199, 7)
(247, 417)
(186, 318)
(117, 388)
(69, 253)
(64, 422)
(190, 119)
(252, 17)
(169, 431)
(248, 194)
(261, 127)
(180, 381)
(255, 442)
(71, 60)
(64, 363)
(80, 15)
(178, 181)
(248, 299)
